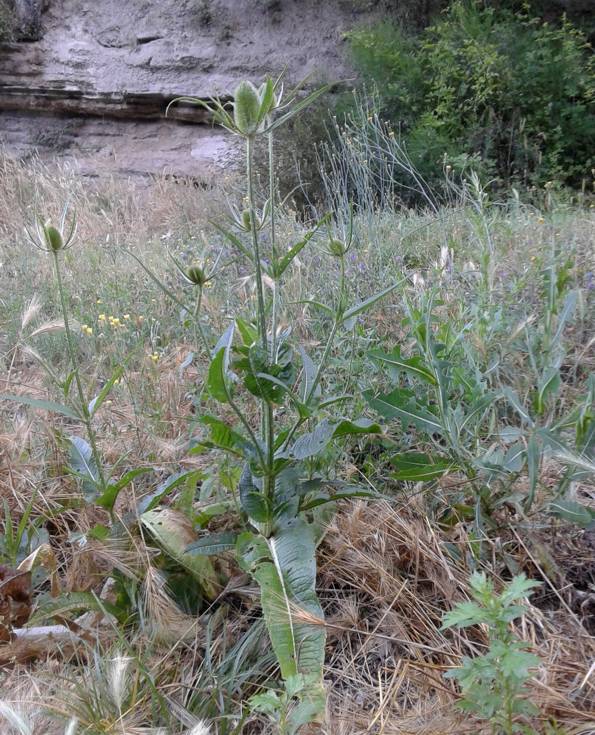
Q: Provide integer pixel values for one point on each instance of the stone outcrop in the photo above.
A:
(93, 79)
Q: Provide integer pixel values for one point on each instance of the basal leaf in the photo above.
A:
(293, 616)
(173, 532)
(570, 510)
(213, 543)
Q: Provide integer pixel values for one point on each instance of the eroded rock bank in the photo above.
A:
(91, 80)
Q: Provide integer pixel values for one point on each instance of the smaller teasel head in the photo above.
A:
(338, 247)
(200, 272)
(49, 238)
(196, 276)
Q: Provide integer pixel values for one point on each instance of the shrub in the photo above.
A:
(7, 20)
(516, 92)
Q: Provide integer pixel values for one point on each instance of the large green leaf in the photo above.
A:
(213, 543)
(419, 467)
(225, 438)
(109, 496)
(252, 500)
(264, 379)
(285, 568)
(570, 510)
(217, 376)
(401, 404)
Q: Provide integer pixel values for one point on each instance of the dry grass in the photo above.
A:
(387, 573)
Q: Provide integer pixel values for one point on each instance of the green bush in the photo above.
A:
(6, 20)
(515, 93)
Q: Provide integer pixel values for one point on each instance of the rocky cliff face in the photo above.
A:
(90, 79)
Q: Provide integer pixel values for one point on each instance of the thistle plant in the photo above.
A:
(254, 360)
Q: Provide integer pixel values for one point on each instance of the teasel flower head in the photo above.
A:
(50, 238)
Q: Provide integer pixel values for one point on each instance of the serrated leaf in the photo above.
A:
(517, 588)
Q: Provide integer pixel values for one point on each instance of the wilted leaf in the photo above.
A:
(174, 534)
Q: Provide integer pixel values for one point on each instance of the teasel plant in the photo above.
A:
(85, 462)
(281, 500)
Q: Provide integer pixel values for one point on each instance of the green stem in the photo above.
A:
(198, 325)
(75, 367)
(255, 244)
(273, 244)
(268, 429)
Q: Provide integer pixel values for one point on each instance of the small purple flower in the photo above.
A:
(589, 281)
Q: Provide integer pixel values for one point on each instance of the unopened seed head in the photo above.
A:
(337, 248)
(246, 108)
(53, 238)
(196, 275)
